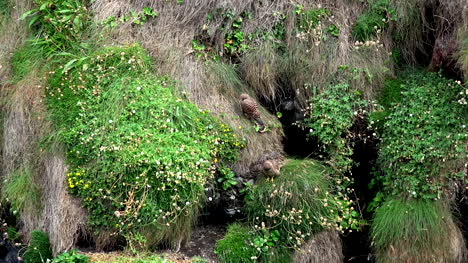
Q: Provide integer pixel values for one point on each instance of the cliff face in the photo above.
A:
(122, 124)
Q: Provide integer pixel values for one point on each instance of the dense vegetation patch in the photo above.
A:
(140, 155)
(38, 250)
(289, 210)
(234, 247)
(60, 25)
(331, 115)
(423, 140)
(314, 21)
(71, 257)
(374, 20)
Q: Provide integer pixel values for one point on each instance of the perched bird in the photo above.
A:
(269, 168)
(250, 109)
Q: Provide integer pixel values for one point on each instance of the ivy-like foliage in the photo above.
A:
(141, 155)
(423, 141)
(331, 115)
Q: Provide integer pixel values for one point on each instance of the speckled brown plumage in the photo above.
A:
(250, 109)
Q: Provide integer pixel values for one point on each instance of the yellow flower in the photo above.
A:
(215, 160)
(71, 186)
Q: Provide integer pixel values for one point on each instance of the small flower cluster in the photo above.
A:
(369, 44)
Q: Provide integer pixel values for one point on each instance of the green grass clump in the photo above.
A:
(140, 155)
(21, 190)
(235, 247)
(38, 250)
(415, 227)
(24, 60)
(293, 207)
(377, 17)
(423, 142)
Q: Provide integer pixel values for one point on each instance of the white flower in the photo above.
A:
(210, 198)
(187, 203)
(167, 120)
(111, 121)
(138, 88)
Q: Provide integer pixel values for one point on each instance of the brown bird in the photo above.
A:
(250, 109)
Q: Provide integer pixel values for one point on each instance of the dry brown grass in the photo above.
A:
(13, 33)
(323, 247)
(25, 124)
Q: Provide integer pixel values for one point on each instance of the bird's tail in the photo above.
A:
(260, 124)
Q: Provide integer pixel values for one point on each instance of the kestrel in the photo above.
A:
(250, 109)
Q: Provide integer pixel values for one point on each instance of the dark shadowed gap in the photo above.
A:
(296, 142)
(356, 245)
(8, 251)
(462, 214)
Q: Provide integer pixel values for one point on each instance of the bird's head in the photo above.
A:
(244, 96)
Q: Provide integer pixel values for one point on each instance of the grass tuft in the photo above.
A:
(39, 248)
(287, 211)
(24, 60)
(22, 191)
(413, 231)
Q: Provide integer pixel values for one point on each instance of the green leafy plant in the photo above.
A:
(332, 113)
(38, 250)
(226, 178)
(71, 257)
(310, 21)
(136, 18)
(140, 155)
(423, 144)
(376, 19)
(60, 24)
(234, 247)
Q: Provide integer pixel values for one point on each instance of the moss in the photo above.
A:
(235, 247)
(39, 248)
